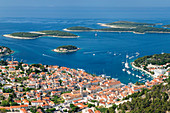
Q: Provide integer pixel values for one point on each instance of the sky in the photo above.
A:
(84, 8)
(84, 3)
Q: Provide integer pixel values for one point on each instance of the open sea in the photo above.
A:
(101, 54)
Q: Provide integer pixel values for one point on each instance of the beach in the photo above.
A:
(16, 37)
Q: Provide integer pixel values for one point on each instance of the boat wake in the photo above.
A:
(47, 55)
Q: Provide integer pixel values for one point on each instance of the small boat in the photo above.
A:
(137, 76)
(128, 72)
(95, 34)
(142, 74)
(131, 57)
(123, 69)
(94, 54)
(127, 56)
(133, 74)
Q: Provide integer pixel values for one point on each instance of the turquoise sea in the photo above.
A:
(102, 54)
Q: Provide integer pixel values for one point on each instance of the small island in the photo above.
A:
(166, 26)
(66, 49)
(23, 35)
(56, 33)
(4, 51)
(126, 24)
(37, 34)
(78, 28)
(123, 26)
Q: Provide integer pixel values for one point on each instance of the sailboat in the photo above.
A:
(123, 69)
(95, 34)
(126, 65)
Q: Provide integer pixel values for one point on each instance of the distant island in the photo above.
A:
(37, 34)
(126, 24)
(23, 35)
(79, 28)
(4, 51)
(123, 26)
(166, 26)
(66, 49)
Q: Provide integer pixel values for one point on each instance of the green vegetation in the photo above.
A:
(3, 63)
(20, 79)
(57, 100)
(7, 90)
(91, 105)
(168, 26)
(129, 24)
(68, 47)
(50, 110)
(150, 29)
(155, 100)
(137, 29)
(125, 26)
(2, 110)
(138, 83)
(66, 92)
(156, 59)
(9, 101)
(5, 51)
(74, 108)
(26, 34)
(107, 110)
(79, 28)
(57, 33)
(34, 35)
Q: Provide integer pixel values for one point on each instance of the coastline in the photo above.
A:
(28, 38)
(112, 26)
(17, 37)
(78, 30)
(132, 63)
(6, 54)
(114, 31)
(54, 35)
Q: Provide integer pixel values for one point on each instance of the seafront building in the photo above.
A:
(40, 85)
